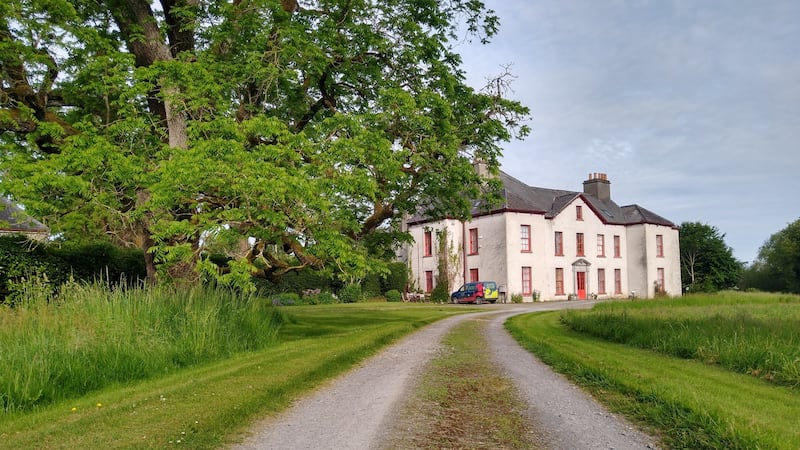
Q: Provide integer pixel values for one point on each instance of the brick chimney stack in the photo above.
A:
(598, 186)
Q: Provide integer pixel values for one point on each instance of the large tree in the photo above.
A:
(707, 263)
(308, 127)
(777, 267)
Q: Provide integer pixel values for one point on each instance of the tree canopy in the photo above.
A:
(777, 267)
(707, 263)
(304, 129)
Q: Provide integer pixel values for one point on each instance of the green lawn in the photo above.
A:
(203, 407)
(690, 403)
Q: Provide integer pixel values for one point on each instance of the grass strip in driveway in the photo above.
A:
(205, 406)
(462, 402)
(691, 404)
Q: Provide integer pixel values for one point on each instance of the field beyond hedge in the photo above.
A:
(703, 371)
(752, 334)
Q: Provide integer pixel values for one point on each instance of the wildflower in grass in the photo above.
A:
(74, 409)
(99, 405)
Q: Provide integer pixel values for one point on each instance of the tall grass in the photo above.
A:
(746, 333)
(90, 337)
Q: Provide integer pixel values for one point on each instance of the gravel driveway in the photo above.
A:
(354, 411)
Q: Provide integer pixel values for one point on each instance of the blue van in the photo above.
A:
(476, 292)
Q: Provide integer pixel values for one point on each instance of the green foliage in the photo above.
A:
(440, 294)
(516, 298)
(298, 281)
(93, 337)
(777, 268)
(311, 131)
(101, 260)
(285, 299)
(447, 258)
(749, 334)
(707, 263)
(371, 285)
(351, 293)
(393, 295)
(23, 261)
(396, 279)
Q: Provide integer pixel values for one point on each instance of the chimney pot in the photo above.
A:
(598, 186)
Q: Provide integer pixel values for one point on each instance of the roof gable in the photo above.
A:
(13, 218)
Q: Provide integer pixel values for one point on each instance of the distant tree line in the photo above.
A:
(777, 267)
(708, 264)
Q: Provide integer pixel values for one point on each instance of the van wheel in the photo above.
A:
(479, 300)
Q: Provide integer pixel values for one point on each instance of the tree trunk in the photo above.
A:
(150, 261)
(139, 27)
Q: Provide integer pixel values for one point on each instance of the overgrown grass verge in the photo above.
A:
(90, 336)
(461, 402)
(209, 405)
(747, 333)
(693, 405)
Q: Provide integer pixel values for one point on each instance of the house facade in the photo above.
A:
(548, 244)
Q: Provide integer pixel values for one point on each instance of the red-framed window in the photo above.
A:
(579, 244)
(473, 241)
(578, 212)
(428, 244)
(601, 281)
(525, 237)
(618, 281)
(428, 281)
(559, 281)
(601, 245)
(559, 244)
(527, 283)
(617, 247)
(473, 275)
(660, 279)
(659, 246)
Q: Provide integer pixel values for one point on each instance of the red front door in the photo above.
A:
(581, 281)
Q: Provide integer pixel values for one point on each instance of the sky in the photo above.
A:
(691, 107)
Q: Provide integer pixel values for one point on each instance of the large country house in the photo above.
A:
(549, 244)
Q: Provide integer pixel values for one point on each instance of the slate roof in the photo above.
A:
(519, 197)
(13, 218)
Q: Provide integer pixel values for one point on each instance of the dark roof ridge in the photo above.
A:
(14, 218)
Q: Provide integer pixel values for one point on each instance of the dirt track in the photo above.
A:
(355, 410)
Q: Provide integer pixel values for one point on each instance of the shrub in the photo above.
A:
(351, 293)
(296, 281)
(440, 294)
(21, 262)
(396, 279)
(326, 298)
(285, 298)
(101, 260)
(516, 298)
(371, 286)
(393, 296)
(315, 297)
